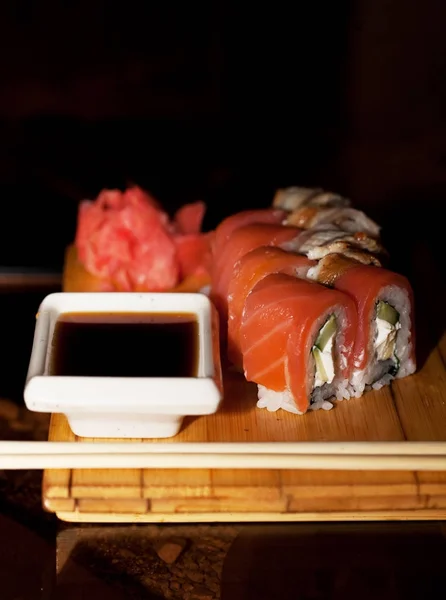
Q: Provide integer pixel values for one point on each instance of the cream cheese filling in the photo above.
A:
(385, 340)
(323, 353)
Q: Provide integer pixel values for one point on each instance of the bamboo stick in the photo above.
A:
(397, 448)
(222, 461)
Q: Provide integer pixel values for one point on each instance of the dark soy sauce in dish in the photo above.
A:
(125, 345)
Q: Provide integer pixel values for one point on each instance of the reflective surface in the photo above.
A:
(236, 562)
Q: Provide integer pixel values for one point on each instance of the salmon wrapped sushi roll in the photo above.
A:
(241, 219)
(297, 338)
(240, 242)
(248, 271)
(385, 341)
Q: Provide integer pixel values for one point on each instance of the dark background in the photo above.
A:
(223, 102)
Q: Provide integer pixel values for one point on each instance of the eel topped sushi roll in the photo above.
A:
(309, 207)
(348, 219)
(328, 239)
(385, 340)
(293, 198)
(297, 338)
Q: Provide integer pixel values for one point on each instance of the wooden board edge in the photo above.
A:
(264, 493)
(199, 518)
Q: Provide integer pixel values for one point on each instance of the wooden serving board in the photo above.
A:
(412, 409)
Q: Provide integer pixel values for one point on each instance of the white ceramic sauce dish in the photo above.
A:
(125, 407)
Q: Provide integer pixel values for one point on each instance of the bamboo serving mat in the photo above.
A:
(412, 409)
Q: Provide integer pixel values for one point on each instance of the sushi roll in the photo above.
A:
(296, 339)
(324, 240)
(248, 271)
(241, 241)
(347, 219)
(385, 341)
(241, 219)
(293, 198)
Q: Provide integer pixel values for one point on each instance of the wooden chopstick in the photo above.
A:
(402, 448)
(427, 456)
(223, 461)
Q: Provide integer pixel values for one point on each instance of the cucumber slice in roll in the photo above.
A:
(327, 331)
(386, 312)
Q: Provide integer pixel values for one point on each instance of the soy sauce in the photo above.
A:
(125, 345)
